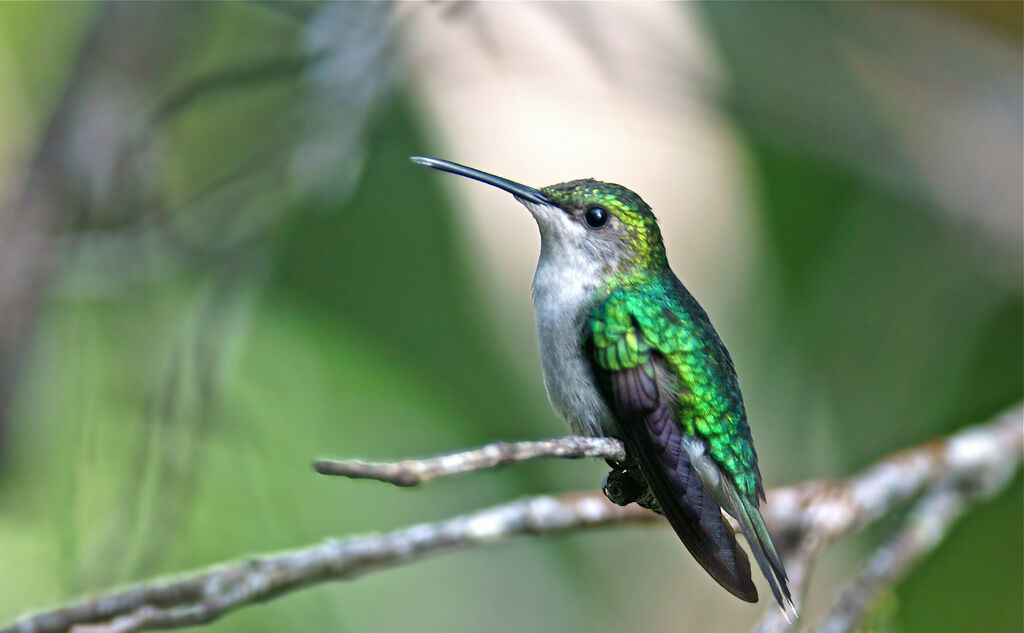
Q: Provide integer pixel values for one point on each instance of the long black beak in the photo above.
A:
(522, 192)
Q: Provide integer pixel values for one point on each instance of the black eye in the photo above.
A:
(595, 217)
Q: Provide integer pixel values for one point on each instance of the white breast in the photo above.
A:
(563, 295)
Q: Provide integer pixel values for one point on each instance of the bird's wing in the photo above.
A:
(635, 378)
(647, 398)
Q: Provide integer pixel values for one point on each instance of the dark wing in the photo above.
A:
(646, 418)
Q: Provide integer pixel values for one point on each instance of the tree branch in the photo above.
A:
(955, 472)
(931, 519)
(413, 472)
(977, 455)
(202, 596)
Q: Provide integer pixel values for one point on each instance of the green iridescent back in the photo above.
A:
(658, 315)
(644, 310)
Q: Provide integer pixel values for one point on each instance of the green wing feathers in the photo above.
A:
(679, 410)
(633, 378)
(632, 323)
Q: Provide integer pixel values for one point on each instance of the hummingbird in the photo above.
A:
(627, 352)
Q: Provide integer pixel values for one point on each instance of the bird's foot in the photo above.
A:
(624, 486)
(621, 487)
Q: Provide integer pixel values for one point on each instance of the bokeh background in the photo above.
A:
(217, 263)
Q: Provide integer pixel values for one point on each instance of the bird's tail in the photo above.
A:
(760, 543)
(694, 515)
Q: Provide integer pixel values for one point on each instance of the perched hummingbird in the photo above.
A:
(628, 353)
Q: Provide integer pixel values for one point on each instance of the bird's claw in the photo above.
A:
(621, 487)
(624, 486)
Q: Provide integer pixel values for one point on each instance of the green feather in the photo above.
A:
(656, 311)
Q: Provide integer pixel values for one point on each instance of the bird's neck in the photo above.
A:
(634, 276)
(565, 285)
(571, 287)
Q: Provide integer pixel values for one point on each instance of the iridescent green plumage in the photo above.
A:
(662, 363)
(626, 351)
(643, 307)
(656, 315)
(642, 238)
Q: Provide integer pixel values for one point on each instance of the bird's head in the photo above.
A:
(584, 221)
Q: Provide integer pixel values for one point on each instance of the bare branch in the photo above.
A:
(202, 596)
(981, 458)
(927, 525)
(977, 455)
(412, 472)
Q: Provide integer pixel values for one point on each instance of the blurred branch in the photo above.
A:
(952, 473)
(927, 525)
(54, 193)
(250, 73)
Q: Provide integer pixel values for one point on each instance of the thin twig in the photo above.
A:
(412, 472)
(983, 456)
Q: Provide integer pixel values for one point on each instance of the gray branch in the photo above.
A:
(412, 472)
(978, 455)
(952, 473)
(202, 596)
(930, 520)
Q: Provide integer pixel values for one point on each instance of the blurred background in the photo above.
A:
(217, 263)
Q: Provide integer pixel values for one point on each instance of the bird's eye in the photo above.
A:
(595, 217)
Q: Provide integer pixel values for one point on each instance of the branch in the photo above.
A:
(981, 458)
(931, 519)
(412, 472)
(985, 455)
(202, 596)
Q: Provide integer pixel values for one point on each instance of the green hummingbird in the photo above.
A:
(627, 352)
